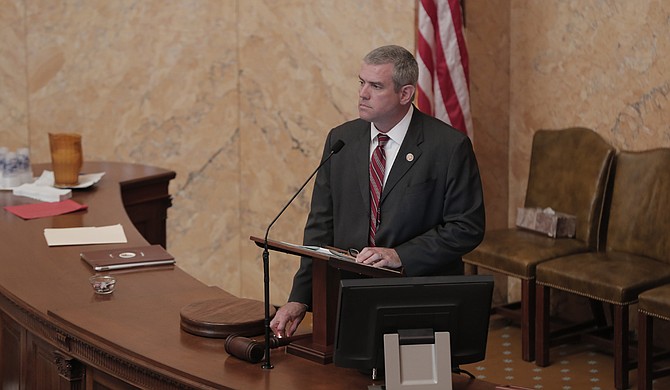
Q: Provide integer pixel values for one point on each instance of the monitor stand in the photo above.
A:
(412, 364)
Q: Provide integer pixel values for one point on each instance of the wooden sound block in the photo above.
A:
(219, 318)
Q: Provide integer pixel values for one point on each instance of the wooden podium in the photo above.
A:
(325, 294)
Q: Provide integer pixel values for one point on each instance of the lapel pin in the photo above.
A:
(409, 157)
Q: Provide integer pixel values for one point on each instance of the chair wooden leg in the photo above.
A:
(621, 347)
(542, 325)
(645, 328)
(598, 313)
(528, 319)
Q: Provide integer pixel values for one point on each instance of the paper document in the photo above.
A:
(112, 234)
(43, 193)
(341, 255)
(85, 180)
(324, 251)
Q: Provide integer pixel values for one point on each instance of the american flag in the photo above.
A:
(444, 84)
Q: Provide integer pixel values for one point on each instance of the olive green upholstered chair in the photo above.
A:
(636, 256)
(569, 169)
(653, 305)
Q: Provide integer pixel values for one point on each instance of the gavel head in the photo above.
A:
(244, 348)
(251, 350)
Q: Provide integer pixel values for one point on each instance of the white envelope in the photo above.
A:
(112, 234)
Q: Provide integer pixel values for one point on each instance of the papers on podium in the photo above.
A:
(113, 259)
(341, 255)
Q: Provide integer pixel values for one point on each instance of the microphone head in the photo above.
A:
(337, 146)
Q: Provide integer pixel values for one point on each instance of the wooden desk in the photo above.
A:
(56, 333)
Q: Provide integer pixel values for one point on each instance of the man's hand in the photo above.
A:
(379, 257)
(287, 319)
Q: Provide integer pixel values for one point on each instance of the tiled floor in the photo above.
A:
(574, 367)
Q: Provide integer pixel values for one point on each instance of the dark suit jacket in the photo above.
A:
(432, 207)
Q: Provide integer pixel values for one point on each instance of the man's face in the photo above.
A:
(378, 102)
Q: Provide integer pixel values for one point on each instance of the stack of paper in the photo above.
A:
(43, 193)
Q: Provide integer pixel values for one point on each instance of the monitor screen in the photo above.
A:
(370, 308)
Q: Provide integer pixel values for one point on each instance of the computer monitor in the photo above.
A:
(370, 308)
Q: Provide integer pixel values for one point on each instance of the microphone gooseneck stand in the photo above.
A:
(266, 297)
(266, 256)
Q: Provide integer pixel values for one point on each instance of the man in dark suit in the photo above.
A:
(431, 208)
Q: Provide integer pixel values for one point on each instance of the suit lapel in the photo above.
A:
(362, 163)
(408, 154)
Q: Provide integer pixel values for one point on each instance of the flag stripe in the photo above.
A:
(425, 59)
(458, 100)
(457, 18)
(443, 89)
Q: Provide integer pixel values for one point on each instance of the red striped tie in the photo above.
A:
(377, 165)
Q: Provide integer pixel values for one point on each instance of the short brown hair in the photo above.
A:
(405, 68)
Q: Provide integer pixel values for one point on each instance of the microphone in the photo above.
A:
(337, 146)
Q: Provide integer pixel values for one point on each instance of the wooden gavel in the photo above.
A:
(251, 350)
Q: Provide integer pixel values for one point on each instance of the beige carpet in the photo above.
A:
(573, 366)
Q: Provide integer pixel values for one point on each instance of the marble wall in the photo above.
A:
(603, 65)
(236, 97)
